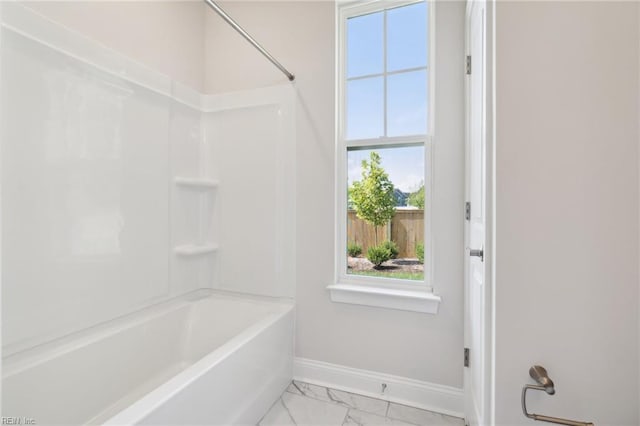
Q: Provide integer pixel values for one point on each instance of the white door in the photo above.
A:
(475, 271)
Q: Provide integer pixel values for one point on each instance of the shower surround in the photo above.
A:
(136, 211)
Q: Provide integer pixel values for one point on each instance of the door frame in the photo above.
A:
(489, 247)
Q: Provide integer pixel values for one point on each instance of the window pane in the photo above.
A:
(394, 201)
(407, 37)
(407, 103)
(365, 108)
(364, 45)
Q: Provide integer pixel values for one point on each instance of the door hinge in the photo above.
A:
(466, 357)
(467, 210)
(468, 64)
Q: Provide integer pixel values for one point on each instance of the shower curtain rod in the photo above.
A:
(250, 39)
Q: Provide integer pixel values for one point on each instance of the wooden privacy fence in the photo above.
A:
(406, 229)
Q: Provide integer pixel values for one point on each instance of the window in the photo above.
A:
(384, 70)
(383, 154)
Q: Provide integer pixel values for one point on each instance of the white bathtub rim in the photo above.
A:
(17, 362)
(37, 346)
(154, 399)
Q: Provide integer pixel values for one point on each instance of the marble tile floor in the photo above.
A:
(307, 404)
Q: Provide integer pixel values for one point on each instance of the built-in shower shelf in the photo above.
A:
(195, 249)
(196, 183)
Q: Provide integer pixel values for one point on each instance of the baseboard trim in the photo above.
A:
(429, 396)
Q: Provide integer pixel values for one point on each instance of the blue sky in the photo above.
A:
(405, 165)
(406, 41)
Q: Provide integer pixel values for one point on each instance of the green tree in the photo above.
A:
(416, 198)
(372, 197)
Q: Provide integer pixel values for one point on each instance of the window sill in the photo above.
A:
(406, 300)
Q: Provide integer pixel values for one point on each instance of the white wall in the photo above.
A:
(167, 36)
(567, 208)
(302, 36)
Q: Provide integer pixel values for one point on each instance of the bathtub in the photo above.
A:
(207, 358)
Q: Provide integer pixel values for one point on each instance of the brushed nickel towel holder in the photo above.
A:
(539, 374)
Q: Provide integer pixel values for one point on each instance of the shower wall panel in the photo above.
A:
(250, 137)
(193, 197)
(85, 181)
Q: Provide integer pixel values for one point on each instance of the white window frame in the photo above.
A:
(377, 291)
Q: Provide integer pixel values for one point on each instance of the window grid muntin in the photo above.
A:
(383, 74)
(384, 71)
